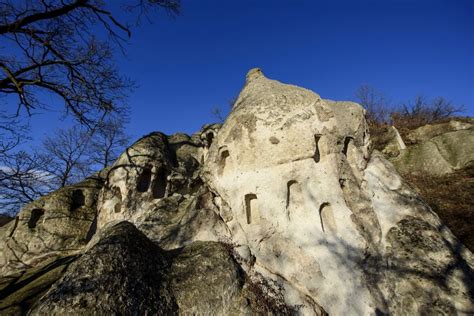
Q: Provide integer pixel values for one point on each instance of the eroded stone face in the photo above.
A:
(61, 222)
(305, 217)
(292, 168)
(155, 184)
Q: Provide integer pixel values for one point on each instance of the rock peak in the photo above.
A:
(254, 73)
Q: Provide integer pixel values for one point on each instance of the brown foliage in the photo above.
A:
(452, 198)
(413, 115)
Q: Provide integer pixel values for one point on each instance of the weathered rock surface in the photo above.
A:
(19, 291)
(283, 209)
(119, 274)
(438, 149)
(318, 211)
(54, 225)
(124, 272)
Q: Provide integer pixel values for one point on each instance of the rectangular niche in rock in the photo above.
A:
(317, 155)
(159, 184)
(118, 196)
(251, 208)
(223, 160)
(294, 197)
(144, 180)
(35, 217)
(347, 142)
(77, 199)
(328, 224)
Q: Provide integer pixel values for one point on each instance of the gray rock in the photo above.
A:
(284, 209)
(438, 155)
(123, 272)
(57, 224)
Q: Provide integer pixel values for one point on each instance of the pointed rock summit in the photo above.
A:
(254, 73)
(284, 209)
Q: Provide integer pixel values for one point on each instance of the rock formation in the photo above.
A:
(283, 209)
(438, 149)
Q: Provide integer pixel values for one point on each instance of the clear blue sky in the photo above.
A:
(186, 66)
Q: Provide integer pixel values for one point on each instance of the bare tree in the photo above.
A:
(420, 112)
(376, 105)
(22, 180)
(220, 113)
(12, 133)
(65, 158)
(107, 142)
(52, 46)
(61, 48)
(67, 151)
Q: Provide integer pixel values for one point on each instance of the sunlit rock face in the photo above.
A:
(155, 184)
(323, 217)
(284, 209)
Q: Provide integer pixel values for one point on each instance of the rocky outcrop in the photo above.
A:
(307, 197)
(155, 184)
(19, 291)
(124, 272)
(438, 149)
(283, 209)
(54, 225)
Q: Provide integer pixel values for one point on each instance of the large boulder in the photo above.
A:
(123, 272)
(119, 274)
(439, 155)
(435, 149)
(330, 222)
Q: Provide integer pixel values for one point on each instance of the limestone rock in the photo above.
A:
(19, 291)
(123, 272)
(284, 209)
(119, 274)
(155, 184)
(393, 142)
(58, 223)
(428, 131)
(439, 149)
(318, 212)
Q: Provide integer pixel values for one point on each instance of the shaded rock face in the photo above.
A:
(61, 222)
(283, 209)
(19, 291)
(119, 275)
(124, 272)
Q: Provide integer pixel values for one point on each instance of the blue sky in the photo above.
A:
(187, 65)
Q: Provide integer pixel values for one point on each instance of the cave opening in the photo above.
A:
(77, 199)
(223, 160)
(209, 139)
(144, 180)
(328, 224)
(317, 155)
(159, 184)
(36, 214)
(345, 148)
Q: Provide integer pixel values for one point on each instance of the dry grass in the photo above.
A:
(380, 135)
(452, 198)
